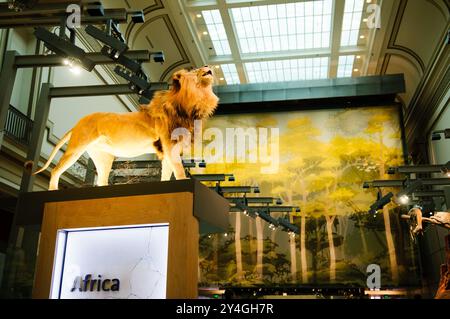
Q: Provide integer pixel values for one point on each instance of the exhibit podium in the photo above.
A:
(91, 234)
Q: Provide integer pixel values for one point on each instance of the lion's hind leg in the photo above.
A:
(68, 159)
(103, 162)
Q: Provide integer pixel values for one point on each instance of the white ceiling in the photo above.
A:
(272, 41)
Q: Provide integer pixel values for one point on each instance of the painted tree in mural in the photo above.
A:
(295, 176)
(247, 177)
(367, 161)
(385, 156)
(337, 184)
(276, 265)
(324, 158)
(208, 262)
(316, 242)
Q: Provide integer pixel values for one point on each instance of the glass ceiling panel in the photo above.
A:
(345, 67)
(216, 31)
(230, 74)
(352, 22)
(287, 70)
(283, 27)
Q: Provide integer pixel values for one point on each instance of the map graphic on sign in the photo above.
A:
(111, 263)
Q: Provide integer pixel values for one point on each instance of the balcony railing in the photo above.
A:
(18, 126)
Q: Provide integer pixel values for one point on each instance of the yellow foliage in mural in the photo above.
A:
(324, 158)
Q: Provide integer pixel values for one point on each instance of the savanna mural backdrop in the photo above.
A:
(325, 156)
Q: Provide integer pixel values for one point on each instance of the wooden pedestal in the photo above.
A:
(187, 206)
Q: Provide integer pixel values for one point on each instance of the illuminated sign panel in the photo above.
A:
(109, 263)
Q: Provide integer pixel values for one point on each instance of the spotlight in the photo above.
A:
(392, 170)
(202, 164)
(272, 221)
(231, 179)
(381, 202)
(225, 235)
(113, 42)
(279, 201)
(256, 190)
(287, 226)
(403, 200)
(366, 185)
(95, 9)
(435, 136)
(158, 57)
(64, 48)
(137, 16)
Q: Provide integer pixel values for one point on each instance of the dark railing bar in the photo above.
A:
(18, 126)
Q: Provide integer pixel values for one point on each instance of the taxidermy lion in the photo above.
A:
(105, 136)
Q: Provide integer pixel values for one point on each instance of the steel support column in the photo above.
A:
(37, 137)
(7, 79)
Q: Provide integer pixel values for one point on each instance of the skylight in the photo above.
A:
(352, 22)
(345, 67)
(230, 74)
(216, 31)
(283, 27)
(271, 41)
(287, 70)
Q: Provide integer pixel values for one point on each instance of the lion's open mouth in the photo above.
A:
(208, 73)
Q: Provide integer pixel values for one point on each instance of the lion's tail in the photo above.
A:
(54, 152)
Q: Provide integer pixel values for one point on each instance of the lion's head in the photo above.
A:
(192, 90)
(195, 79)
(190, 97)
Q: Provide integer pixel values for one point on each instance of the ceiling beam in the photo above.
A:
(313, 89)
(232, 40)
(336, 33)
